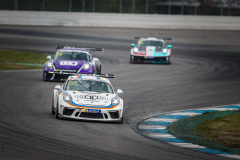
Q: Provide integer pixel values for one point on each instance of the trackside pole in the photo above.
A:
(16, 4)
(120, 6)
(146, 6)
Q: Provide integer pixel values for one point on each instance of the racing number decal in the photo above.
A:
(68, 63)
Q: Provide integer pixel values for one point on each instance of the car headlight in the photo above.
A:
(135, 49)
(50, 65)
(115, 101)
(86, 66)
(164, 50)
(67, 98)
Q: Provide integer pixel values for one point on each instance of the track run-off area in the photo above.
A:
(205, 71)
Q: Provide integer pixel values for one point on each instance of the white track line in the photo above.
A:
(152, 127)
(162, 120)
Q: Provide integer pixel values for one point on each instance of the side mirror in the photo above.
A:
(49, 57)
(169, 46)
(132, 45)
(58, 87)
(95, 59)
(119, 91)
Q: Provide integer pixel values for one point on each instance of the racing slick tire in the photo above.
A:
(121, 120)
(131, 58)
(99, 70)
(169, 62)
(43, 78)
(56, 112)
(53, 106)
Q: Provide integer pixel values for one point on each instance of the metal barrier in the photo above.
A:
(176, 7)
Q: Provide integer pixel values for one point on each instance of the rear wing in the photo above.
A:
(106, 75)
(97, 75)
(86, 48)
(153, 38)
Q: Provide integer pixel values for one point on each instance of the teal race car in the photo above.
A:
(151, 50)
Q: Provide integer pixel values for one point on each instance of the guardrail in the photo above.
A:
(155, 21)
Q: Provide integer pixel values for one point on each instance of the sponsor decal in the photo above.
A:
(99, 78)
(149, 57)
(150, 50)
(59, 53)
(68, 63)
(93, 110)
(111, 106)
(90, 97)
(94, 97)
(81, 77)
(72, 83)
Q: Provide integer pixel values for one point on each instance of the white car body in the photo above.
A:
(87, 105)
(150, 54)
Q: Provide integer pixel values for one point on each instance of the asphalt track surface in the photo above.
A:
(204, 72)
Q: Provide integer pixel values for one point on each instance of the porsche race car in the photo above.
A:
(88, 97)
(69, 61)
(151, 50)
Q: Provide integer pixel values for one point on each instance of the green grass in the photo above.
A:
(21, 57)
(11, 56)
(5, 66)
(224, 131)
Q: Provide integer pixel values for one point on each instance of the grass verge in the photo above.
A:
(10, 56)
(224, 131)
(5, 66)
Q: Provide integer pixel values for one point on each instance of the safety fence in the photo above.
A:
(173, 7)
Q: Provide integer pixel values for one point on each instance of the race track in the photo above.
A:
(204, 72)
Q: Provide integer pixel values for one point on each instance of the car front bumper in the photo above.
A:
(144, 59)
(110, 115)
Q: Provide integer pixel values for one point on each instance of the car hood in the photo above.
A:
(68, 64)
(150, 50)
(90, 98)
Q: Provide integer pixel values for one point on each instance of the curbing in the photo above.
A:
(155, 128)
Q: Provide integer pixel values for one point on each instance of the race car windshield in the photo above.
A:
(82, 56)
(88, 85)
(144, 44)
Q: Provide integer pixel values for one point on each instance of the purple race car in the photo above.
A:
(69, 61)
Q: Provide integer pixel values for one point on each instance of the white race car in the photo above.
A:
(88, 97)
(151, 50)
